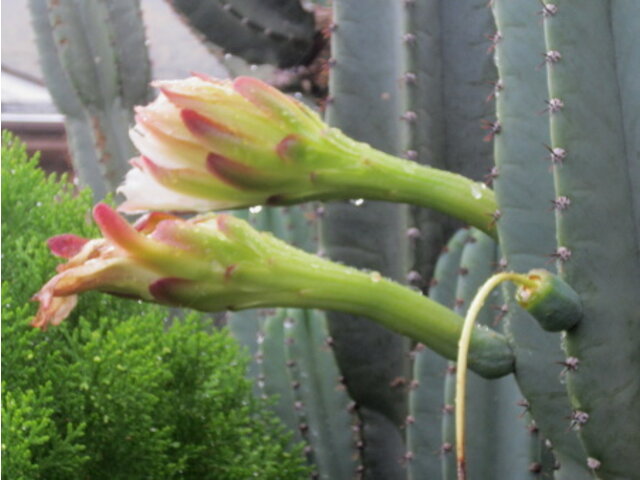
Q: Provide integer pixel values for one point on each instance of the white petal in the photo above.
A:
(168, 154)
(143, 193)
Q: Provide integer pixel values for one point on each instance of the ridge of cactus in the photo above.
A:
(524, 188)
(588, 126)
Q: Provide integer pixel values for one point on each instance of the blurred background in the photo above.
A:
(27, 108)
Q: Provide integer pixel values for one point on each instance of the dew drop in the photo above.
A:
(375, 277)
(476, 190)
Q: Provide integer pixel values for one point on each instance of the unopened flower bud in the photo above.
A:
(208, 144)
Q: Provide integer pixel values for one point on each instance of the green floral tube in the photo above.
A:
(209, 144)
(218, 262)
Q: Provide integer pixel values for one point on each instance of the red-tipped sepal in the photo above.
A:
(66, 245)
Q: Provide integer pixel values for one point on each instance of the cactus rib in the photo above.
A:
(276, 31)
(363, 87)
(425, 400)
(605, 385)
(524, 188)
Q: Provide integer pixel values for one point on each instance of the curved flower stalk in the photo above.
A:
(210, 144)
(218, 262)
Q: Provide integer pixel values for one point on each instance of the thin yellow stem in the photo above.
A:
(463, 354)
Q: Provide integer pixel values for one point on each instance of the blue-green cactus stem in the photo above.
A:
(84, 159)
(364, 103)
(273, 376)
(66, 99)
(128, 39)
(321, 399)
(423, 128)
(467, 29)
(626, 33)
(95, 61)
(597, 249)
(429, 369)
(280, 32)
(448, 431)
(520, 450)
(524, 188)
(477, 263)
(301, 223)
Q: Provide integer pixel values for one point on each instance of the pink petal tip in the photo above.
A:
(66, 245)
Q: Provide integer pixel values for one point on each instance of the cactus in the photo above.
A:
(426, 409)
(95, 62)
(597, 231)
(494, 404)
(370, 235)
(322, 403)
(477, 262)
(580, 208)
(526, 227)
(294, 360)
(279, 32)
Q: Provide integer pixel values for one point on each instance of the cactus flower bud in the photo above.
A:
(162, 258)
(218, 262)
(551, 301)
(209, 144)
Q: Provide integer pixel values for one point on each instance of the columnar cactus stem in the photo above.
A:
(626, 34)
(468, 74)
(424, 136)
(477, 303)
(363, 101)
(95, 62)
(524, 188)
(600, 258)
(280, 32)
(323, 402)
(425, 401)
(477, 263)
(273, 378)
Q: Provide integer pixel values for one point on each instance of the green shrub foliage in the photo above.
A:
(111, 393)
